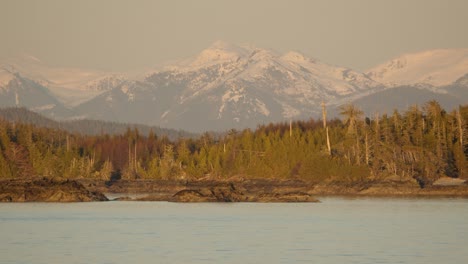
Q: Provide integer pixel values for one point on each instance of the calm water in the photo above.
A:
(334, 231)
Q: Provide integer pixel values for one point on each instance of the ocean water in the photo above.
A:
(337, 230)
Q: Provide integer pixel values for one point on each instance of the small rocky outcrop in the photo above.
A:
(230, 193)
(221, 193)
(46, 190)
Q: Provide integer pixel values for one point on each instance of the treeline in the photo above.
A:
(421, 143)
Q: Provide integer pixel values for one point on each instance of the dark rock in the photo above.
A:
(192, 196)
(46, 190)
(221, 193)
(230, 193)
(124, 198)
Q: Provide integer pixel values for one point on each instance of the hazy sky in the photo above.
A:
(121, 35)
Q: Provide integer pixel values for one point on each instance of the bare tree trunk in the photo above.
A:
(324, 116)
(460, 128)
(328, 142)
(358, 152)
(135, 158)
(129, 156)
(377, 127)
(367, 150)
(290, 128)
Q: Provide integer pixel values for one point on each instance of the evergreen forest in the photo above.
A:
(422, 143)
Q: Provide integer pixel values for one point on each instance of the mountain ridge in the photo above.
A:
(230, 86)
(87, 127)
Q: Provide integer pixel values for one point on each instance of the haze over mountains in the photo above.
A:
(229, 86)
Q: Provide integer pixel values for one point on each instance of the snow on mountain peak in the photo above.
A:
(290, 73)
(5, 77)
(294, 56)
(435, 67)
(262, 54)
(219, 52)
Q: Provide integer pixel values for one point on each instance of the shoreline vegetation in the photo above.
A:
(421, 152)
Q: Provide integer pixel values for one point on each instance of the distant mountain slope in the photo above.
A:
(71, 86)
(459, 88)
(435, 67)
(86, 127)
(401, 98)
(17, 90)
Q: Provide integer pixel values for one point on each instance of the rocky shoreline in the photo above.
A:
(229, 192)
(47, 190)
(214, 190)
(263, 190)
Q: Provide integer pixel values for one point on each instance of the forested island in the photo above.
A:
(400, 153)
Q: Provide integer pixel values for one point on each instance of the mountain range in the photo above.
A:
(230, 86)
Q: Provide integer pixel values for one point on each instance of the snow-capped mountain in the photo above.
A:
(17, 90)
(230, 86)
(71, 86)
(435, 67)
